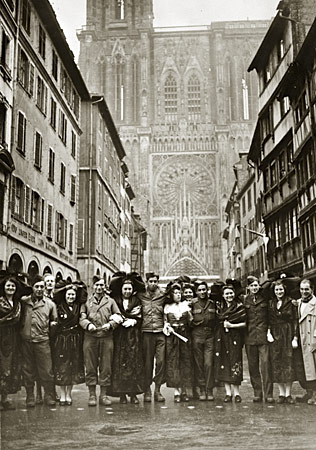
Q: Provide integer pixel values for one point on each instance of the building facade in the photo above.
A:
(47, 94)
(278, 136)
(104, 221)
(185, 106)
(245, 231)
(302, 95)
(8, 32)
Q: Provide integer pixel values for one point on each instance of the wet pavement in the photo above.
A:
(205, 425)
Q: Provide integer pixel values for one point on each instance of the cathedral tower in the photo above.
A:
(185, 106)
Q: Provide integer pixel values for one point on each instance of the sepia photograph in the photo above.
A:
(157, 224)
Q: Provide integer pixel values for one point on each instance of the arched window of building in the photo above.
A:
(194, 98)
(120, 9)
(58, 277)
(46, 270)
(171, 97)
(33, 269)
(15, 263)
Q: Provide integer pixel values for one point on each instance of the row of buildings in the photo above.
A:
(65, 197)
(271, 213)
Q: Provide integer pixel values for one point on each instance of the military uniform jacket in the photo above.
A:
(203, 317)
(257, 319)
(153, 306)
(98, 313)
(36, 318)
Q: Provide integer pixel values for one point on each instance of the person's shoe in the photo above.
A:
(281, 399)
(62, 402)
(257, 399)
(177, 398)
(104, 401)
(184, 398)
(123, 399)
(92, 400)
(270, 400)
(237, 399)
(134, 400)
(304, 398)
(290, 400)
(311, 401)
(202, 396)
(228, 399)
(49, 400)
(196, 394)
(147, 396)
(210, 397)
(158, 397)
(30, 399)
(8, 405)
(39, 398)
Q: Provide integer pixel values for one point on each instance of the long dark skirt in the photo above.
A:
(127, 367)
(68, 357)
(10, 360)
(179, 362)
(282, 353)
(228, 355)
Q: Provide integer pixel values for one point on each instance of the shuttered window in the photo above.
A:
(81, 231)
(21, 133)
(38, 151)
(49, 221)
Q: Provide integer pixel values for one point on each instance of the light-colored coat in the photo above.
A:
(307, 327)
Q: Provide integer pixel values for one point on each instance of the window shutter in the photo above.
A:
(32, 221)
(49, 221)
(20, 131)
(13, 184)
(71, 237)
(73, 189)
(81, 233)
(22, 202)
(27, 210)
(56, 227)
(31, 81)
(24, 134)
(65, 233)
(45, 100)
(42, 227)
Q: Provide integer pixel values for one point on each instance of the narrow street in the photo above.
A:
(158, 426)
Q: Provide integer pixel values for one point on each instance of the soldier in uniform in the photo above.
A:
(257, 347)
(39, 314)
(154, 341)
(203, 311)
(99, 316)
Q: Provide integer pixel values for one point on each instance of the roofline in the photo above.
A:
(274, 30)
(48, 17)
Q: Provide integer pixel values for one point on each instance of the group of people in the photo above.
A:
(129, 334)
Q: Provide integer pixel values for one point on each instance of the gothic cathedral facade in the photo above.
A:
(185, 107)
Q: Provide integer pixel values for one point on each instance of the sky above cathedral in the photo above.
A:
(71, 14)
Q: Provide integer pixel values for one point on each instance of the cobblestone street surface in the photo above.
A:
(208, 425)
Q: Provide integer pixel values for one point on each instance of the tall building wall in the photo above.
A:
(185, 106)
